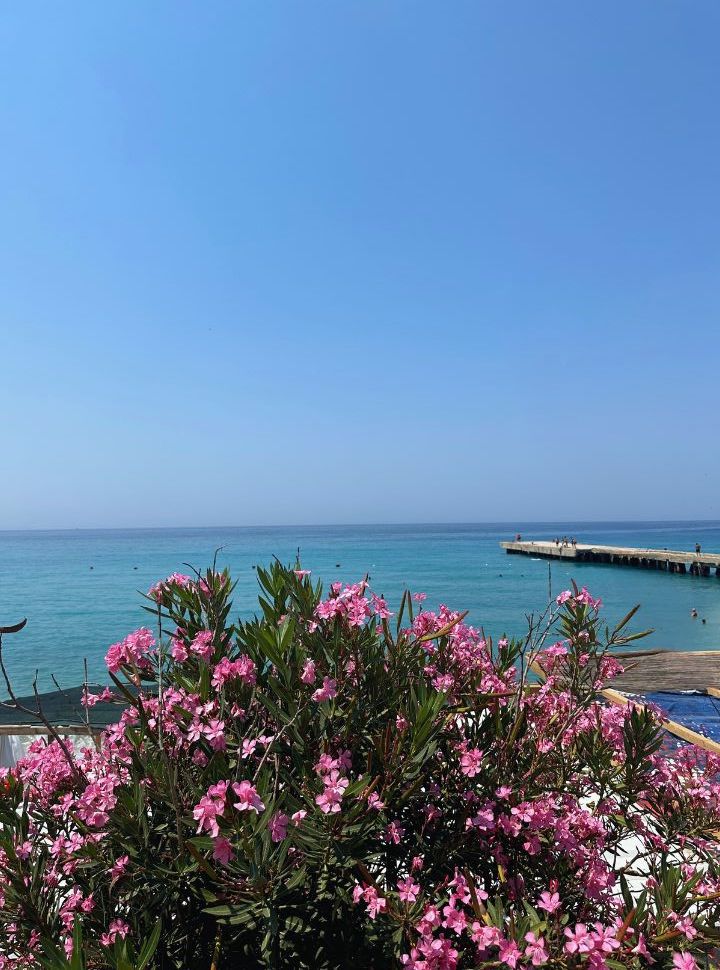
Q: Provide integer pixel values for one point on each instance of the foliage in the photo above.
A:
(330, 786)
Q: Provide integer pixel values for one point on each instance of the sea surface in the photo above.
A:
(80, 590)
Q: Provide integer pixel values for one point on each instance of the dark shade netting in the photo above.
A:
(62, 708)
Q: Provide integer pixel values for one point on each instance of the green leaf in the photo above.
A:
(149, 947)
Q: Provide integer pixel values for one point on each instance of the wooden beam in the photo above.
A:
(37, 730)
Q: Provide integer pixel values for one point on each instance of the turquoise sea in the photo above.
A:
(79, 589)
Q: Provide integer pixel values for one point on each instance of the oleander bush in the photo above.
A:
(331, 786)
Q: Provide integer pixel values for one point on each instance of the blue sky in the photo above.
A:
(273, 262)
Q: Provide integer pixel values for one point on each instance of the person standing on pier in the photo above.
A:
(697, 548)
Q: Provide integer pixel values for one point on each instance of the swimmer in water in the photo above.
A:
(693, 613)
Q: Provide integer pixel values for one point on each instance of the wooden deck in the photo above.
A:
(673, 670)
(667, 560)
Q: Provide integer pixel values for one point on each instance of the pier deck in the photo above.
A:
(669, 560)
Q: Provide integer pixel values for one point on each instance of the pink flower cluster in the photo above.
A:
(486, 822)
(331, 771)
(348, 603)
(214, 803)
(165, 586)
(467, 659)
(583, 598)
(242, 669)
(131, 652)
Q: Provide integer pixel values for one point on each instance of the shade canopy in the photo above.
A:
(62, 708)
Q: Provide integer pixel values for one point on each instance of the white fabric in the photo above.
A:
(13, 747)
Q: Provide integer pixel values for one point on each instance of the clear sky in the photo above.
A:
(310, 262)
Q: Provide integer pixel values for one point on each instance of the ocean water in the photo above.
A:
(80, 589)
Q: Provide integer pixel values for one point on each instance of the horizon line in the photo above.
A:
(514, 523)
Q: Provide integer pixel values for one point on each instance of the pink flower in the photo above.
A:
(685, 925)
(394, 833)
(88, 699)
(176, 579)
(243, 669)
(116, 928)
(554, 651)
(484, 936)
(604, 938)
(374, 902)
(419, 597)
(327, 609)
(248, 747)
(380, 608)
(326, 763)
(205, 813)
(455, 919)
(509, 953)
(278, 826)
(118, 867)
(470, 762)
(578, 940)
(585, 599)
(222, 850)
(308, 672)
(641, 949)
(329, 801)
(357, 611)
(202, 645)
(301, 573)
(684, 961)
(327, 691)
(549, 902)
(248, 799)
(178, 651)
(374, 802)
(97, 801)
(408, 890)
(130, 652)
(297, 817)
(214, 731)
(535, 949)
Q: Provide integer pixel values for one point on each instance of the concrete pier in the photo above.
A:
(668, 560)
